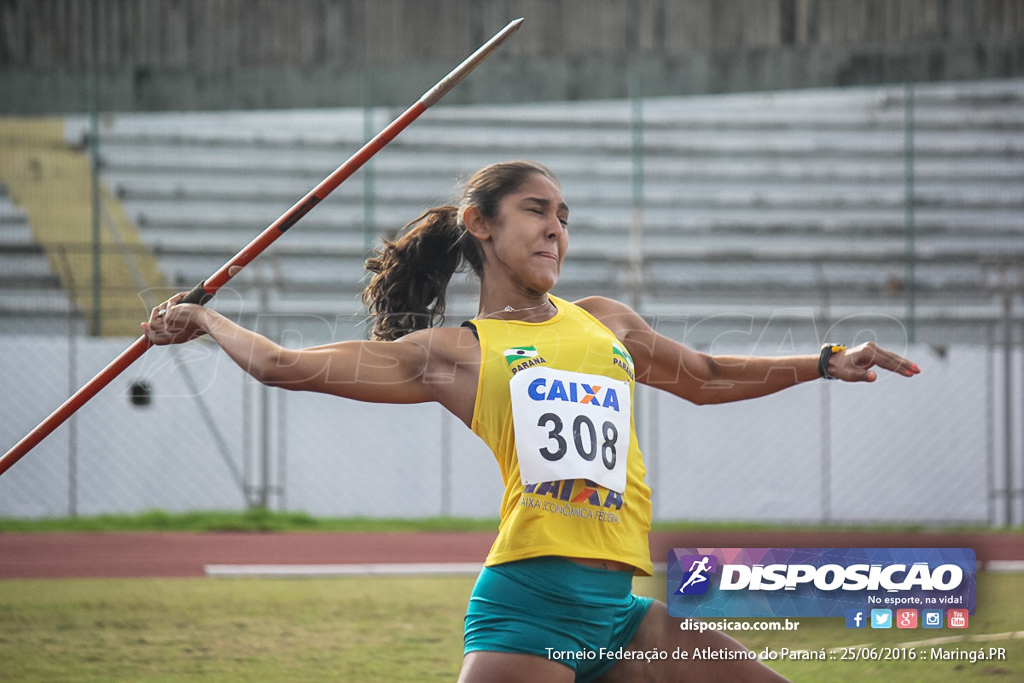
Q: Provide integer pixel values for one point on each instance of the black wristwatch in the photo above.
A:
(826, 353)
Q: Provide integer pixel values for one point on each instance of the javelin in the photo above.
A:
(205, 290)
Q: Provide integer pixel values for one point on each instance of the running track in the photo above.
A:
(171, 554)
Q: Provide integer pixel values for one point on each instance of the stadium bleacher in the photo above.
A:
(824, 203)
(32, 297)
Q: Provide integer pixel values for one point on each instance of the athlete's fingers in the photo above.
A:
(154, 335)
(159, 312)
(176, 299)
(855, 365)
(894, 363)
(883, 358)
(169, 325)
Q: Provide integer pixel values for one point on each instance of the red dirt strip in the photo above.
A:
(174, 554)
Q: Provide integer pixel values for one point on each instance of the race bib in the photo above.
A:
(570, 425)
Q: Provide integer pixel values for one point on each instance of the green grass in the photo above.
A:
(372, 629)
(269, 520)
(247, 520)
(172, 630)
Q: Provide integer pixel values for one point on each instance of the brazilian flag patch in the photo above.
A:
(518, 353)
(621, 352)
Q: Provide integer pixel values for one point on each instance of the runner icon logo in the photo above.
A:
(695, 580)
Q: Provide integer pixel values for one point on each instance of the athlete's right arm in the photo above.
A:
(380, 372)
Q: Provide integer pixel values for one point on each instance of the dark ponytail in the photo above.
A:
(411, 274)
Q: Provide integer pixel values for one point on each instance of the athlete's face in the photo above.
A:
(530, 235)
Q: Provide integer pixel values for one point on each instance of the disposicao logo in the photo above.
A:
(819, 582)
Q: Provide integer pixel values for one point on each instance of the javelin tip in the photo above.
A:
(462, 70)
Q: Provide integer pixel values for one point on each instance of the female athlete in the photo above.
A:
(548, 385)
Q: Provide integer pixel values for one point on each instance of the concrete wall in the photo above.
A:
(229, 54)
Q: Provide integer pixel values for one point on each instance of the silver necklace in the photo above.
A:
(509, 309)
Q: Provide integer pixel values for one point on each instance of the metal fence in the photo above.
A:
(937, 449)
(756, 224)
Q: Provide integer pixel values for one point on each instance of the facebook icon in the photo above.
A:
(855, 618)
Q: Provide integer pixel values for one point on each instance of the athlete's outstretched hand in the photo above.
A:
(855, 364)
(174, 323)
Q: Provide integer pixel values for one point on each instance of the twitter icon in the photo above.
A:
(881, 618)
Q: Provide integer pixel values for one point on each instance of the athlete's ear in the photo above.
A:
(476, 224)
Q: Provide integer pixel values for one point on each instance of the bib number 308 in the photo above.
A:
(584, 436)
(571, 425)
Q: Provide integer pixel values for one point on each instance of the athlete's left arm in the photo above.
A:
(702, 378)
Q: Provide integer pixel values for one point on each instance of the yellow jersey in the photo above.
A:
(562, 392)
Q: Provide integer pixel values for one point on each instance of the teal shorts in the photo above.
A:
(555, 608)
